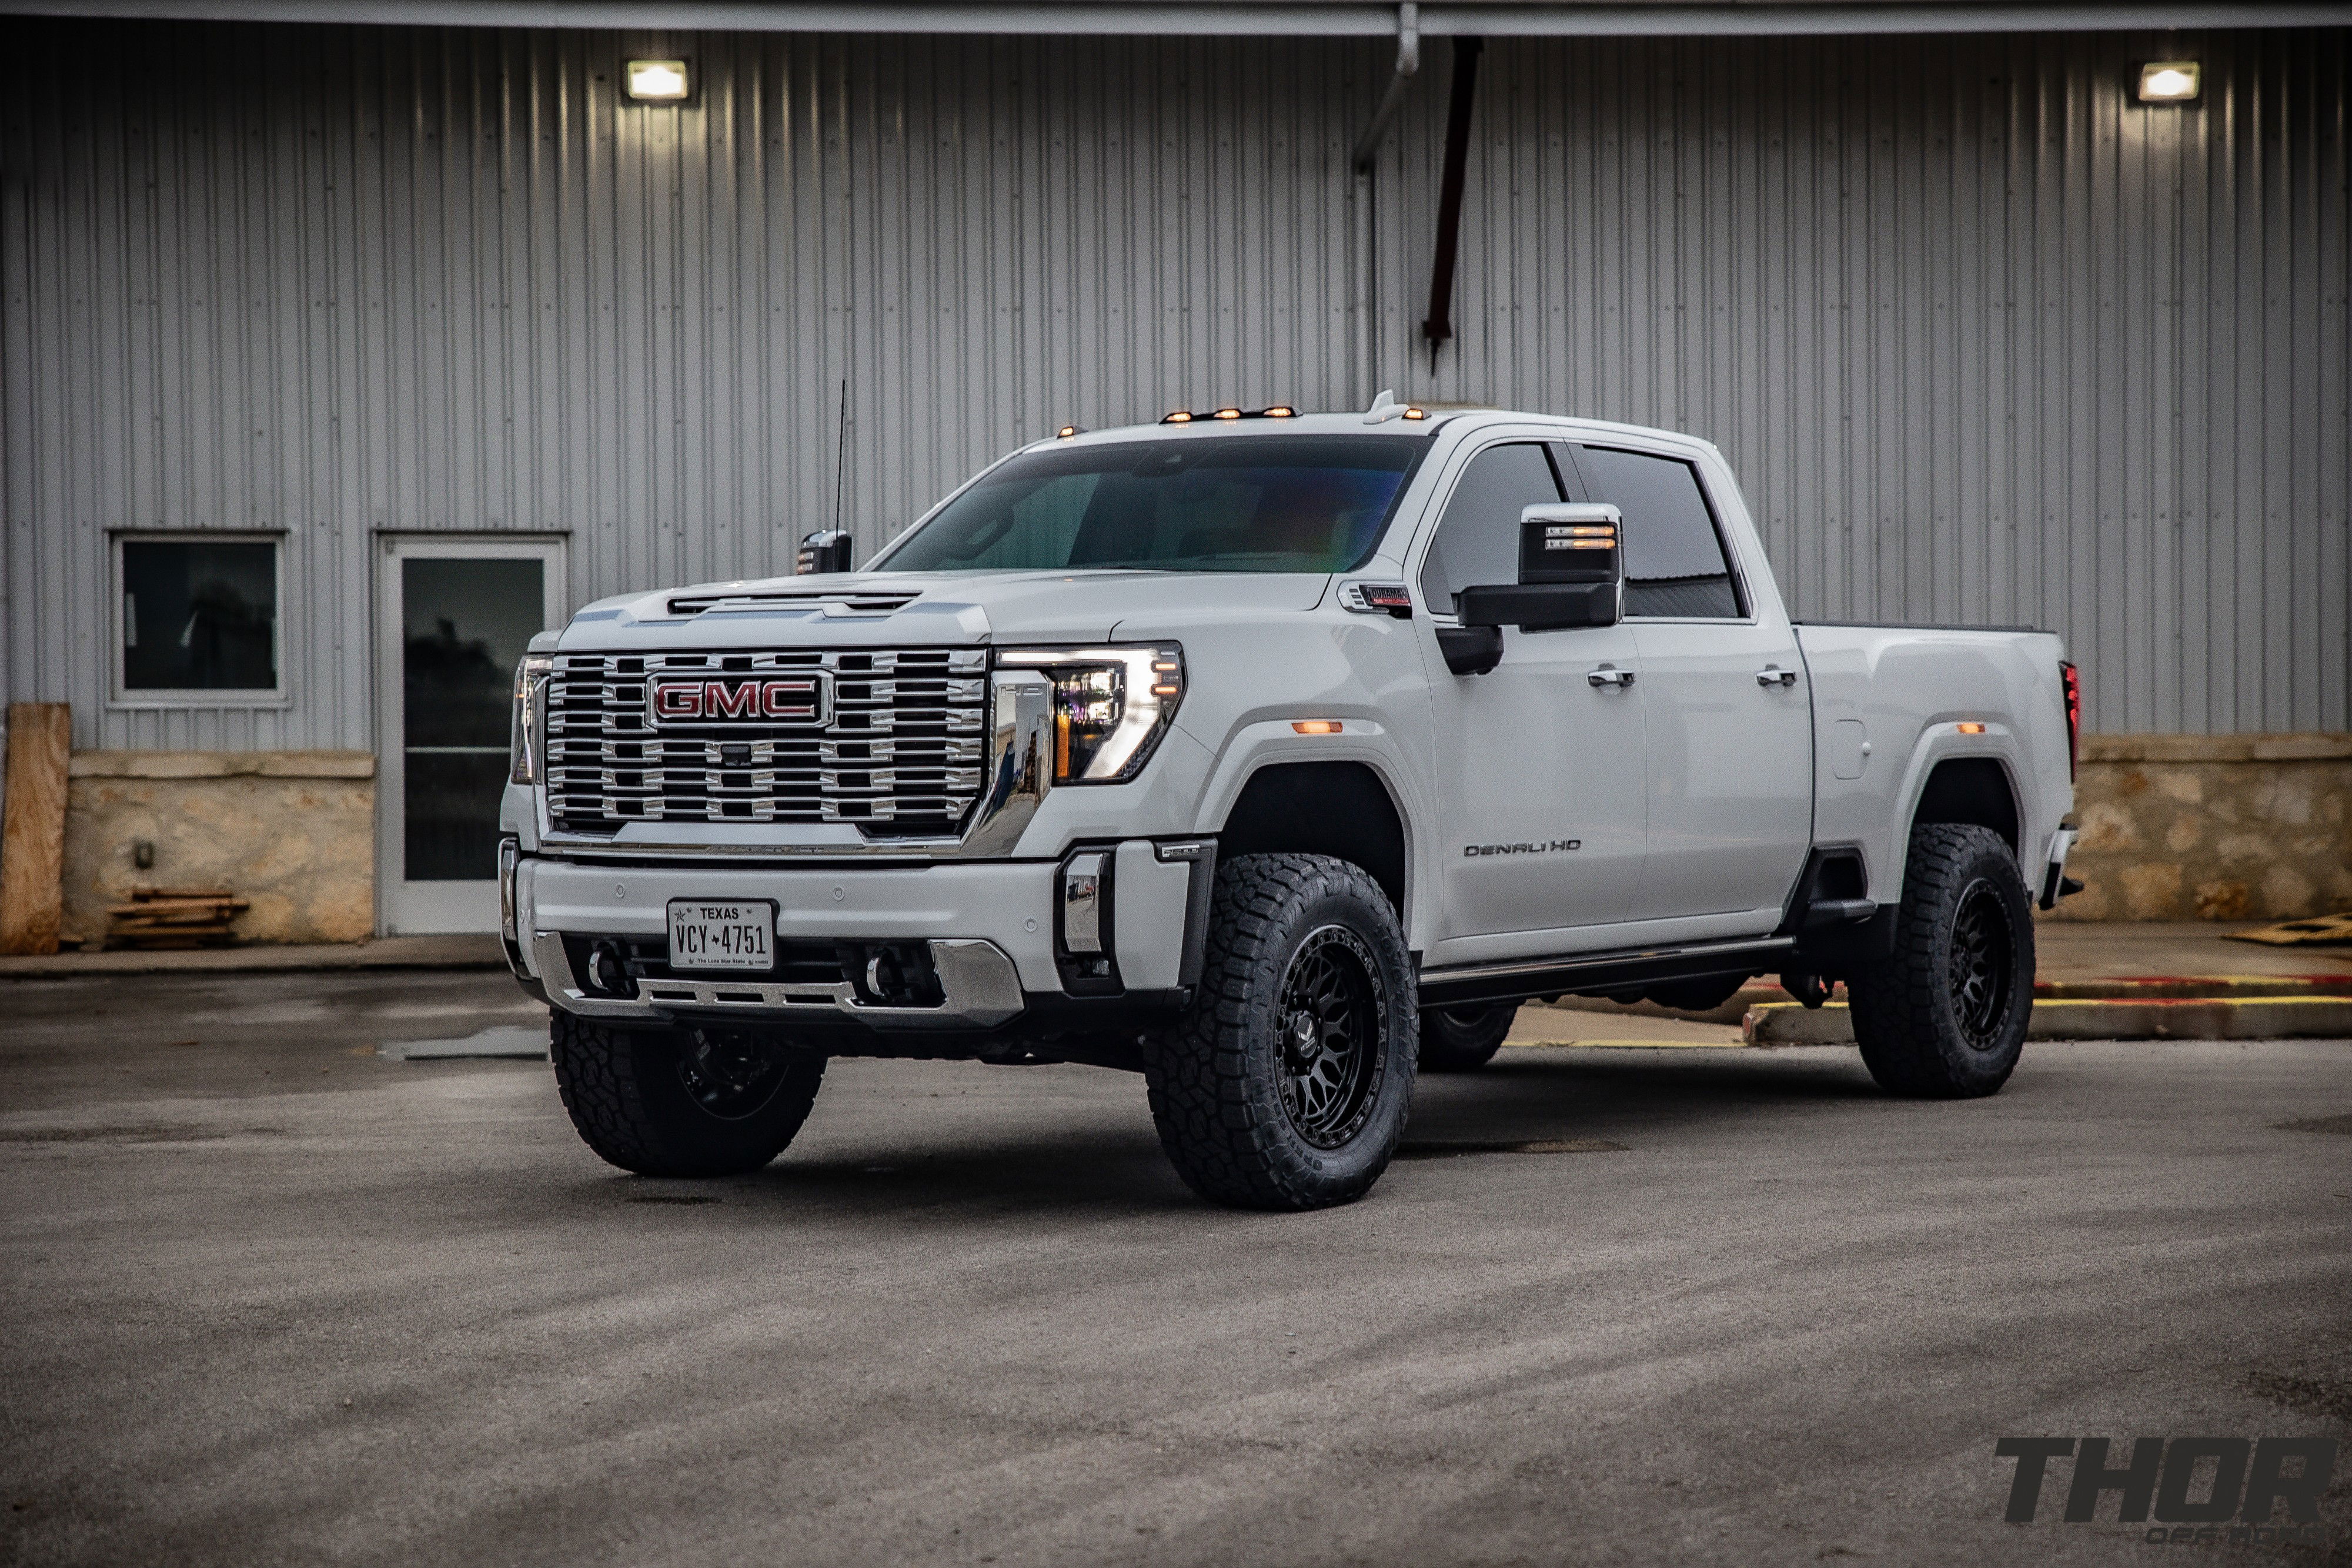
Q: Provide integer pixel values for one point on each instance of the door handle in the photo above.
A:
(1774, 675)
(1610, 675)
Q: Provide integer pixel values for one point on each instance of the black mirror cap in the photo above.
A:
(824, 551)
(1470, 649)
(1539, 606)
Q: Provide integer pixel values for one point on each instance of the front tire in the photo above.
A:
(1943, 1018)
(681, 1102)
(1288, 1083)
(1463, 1040)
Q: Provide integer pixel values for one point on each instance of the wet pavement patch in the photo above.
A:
(501, 1043)
(1442, 1149)
(2318, 1124)
(142, 1133)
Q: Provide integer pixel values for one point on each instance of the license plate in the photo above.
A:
(737, 935)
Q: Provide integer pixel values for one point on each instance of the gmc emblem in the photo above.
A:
(739, 699)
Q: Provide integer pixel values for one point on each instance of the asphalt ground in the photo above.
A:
(273, 1296)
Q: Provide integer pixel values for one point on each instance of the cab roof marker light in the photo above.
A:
(1226, 413)
(1070, 431)
(1181, 416)
(1416, 414)
(1281, 411)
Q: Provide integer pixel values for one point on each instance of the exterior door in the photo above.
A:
(1730, 729)
(455, 617)
(1539, 766)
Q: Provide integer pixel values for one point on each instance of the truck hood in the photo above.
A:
(900, 609)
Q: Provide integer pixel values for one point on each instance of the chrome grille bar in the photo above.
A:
(902, 745)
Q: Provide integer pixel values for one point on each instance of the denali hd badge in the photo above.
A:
(739, 699)
(1549, 847)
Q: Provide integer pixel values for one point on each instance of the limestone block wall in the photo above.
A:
(292, 832)
(2232, 827)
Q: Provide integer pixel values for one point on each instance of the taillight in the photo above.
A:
(2072, 680)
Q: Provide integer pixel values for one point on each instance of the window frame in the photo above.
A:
(1417, 559)
(1733, 566)
(123, 696)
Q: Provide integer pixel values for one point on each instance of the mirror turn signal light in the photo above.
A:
(1969, 728)
(1316, 726)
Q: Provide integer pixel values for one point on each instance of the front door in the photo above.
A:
(1730, 737)
(1539, 762)
(455, 616)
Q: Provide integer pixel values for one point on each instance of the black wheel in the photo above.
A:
(1944, 1017)
(680, 1101)
(1463, 1040)
(1288, 1083)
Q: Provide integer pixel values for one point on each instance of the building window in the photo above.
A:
(198, 617)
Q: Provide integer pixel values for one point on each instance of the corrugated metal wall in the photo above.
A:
(1986, 341)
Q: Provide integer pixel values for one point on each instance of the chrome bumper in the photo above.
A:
(982, 990)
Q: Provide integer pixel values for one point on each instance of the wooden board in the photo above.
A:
(33, 833)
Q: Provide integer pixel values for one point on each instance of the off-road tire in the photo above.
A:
(1943, 1018)
(631, 1103)
(1218, 1079)
(1463, 1040)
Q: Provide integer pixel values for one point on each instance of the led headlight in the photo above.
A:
(1111, 706)
(529, 733)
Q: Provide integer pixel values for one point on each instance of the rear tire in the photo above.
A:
(1288, 1083)
(1463, 1040)
(681, 1102)
(1943, 1018)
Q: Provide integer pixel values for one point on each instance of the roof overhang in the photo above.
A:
(1279, 18)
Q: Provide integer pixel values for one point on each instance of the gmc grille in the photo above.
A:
(899, 754)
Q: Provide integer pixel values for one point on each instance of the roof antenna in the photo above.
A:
(840, 453)
(1384, 408)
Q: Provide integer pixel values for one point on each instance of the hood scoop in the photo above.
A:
(830, 601)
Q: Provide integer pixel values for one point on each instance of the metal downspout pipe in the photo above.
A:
(1361, 159)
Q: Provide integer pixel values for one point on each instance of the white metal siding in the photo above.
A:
(1985, 340)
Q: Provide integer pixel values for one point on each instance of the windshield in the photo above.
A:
(1262, 503)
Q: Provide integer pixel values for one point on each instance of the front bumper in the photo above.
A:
(991, 931)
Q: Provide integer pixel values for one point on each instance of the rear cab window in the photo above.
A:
(1675, 564)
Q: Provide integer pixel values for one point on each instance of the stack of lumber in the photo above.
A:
(173, 917)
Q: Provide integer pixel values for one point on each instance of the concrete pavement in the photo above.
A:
(275, 1297)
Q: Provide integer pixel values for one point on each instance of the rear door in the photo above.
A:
(1728, 736)
(1538, 766)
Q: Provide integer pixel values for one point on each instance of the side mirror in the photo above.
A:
(1571, 568)
(824, 551)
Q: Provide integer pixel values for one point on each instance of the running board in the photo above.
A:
(1524, 977)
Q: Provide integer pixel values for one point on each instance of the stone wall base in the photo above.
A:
(2174, 827)
(2235, 827)
(292, 832)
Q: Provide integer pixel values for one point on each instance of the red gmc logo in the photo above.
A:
(746, 699)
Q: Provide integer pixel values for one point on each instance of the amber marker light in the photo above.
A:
(1969, 728)
(1416, 414)
(1316, 726)
(1282, 410)
(1226, 413)
(1181, 416)
(1068, 430)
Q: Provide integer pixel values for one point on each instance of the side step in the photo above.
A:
(1823, 912)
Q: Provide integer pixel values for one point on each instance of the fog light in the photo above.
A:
(656, 81)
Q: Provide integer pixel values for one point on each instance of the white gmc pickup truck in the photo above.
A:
(1276, 757)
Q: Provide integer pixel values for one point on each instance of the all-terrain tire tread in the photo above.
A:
(1449, 1046)
(598, 1075)
(1897, 1005)
(1218, 1138)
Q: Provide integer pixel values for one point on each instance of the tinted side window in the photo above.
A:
(1479, 538)
(1675, 563)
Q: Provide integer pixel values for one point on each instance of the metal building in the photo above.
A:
(309, 307)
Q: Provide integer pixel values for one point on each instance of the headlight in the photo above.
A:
(1111, 706)
(529, 734)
